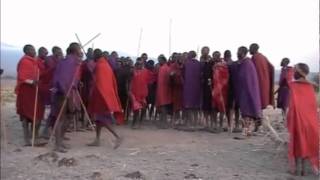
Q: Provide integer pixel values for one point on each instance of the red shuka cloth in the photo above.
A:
(265, 72)
(220, 79)
(139, 89)
(177, 86)
(303, 124)
(163, 96)
(45, 80)
(28, 68)
(104, 97)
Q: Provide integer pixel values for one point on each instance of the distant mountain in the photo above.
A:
(10, 55)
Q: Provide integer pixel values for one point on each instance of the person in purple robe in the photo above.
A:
(51, 63)
(113, 60)
(286, 77)
(192, 88)
(245, 83)
(65, 87)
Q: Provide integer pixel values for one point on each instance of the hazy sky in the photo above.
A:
(283, 28)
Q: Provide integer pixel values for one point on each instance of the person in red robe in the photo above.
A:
(265, 71)
(302, 122)
(138, 92)
(177, 87)
(104, 103)
(163, 94)
(27, 82)
(220, 81)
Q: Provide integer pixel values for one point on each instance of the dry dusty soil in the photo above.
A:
(148, 153)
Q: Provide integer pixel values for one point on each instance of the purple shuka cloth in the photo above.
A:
(246, 86)
(104, 119)
(283, 92)
(192, 84)
(66, 71)
(113, 63)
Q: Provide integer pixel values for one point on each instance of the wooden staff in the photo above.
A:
(35, 109)
(85, 110)
(170, 27)
(84, 45)
(139, 42)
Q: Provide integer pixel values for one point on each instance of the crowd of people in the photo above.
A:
(214, 93)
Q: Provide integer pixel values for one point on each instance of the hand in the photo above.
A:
(53, 90)
(35, 82)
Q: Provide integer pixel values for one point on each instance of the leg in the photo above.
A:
(221, 117)
(163, 116)
(142, 115)
(96, 142)
(26, 133)
(135, 117)
(214, 119)
(302, 167)
(113, 132)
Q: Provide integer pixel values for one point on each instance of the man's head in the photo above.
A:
(42, 53)
(105, 54)
(174, 57)
(285, 62)
(205, 51)
(114, 55)
(57, 52)
(162, 59)
(144, 57)
(227, 55)
(90, 53)
(29, 50)
(97, 53)
(301, 70)
(138, 65)
(150, 64)
(216, 56)
(254, 48)
(242, 52)
(75, 49)
(192, 54)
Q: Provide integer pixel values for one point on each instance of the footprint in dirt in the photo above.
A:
(135, 175)
(96, 176)
(68, 162)
(191, 176)
(48, 157)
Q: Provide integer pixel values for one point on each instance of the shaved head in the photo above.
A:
(254, 48)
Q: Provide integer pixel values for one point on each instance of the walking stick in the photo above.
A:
(85, 110)
(35, 110)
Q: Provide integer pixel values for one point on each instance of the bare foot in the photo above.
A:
(117, 143)
(94, 143)
(27, 143)
(66, 146)
(60, 150)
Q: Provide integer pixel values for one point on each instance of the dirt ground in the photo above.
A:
(148, 153)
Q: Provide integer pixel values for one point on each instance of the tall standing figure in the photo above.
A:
(104, 103)
(303, 122)
(247, 92)
(27, 82)
(265, 71)
(65, 87)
